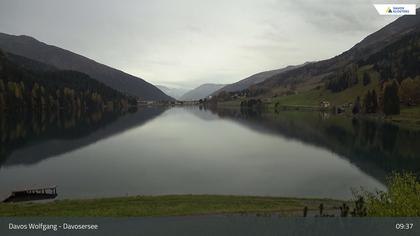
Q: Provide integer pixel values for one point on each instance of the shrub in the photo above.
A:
(401, 200)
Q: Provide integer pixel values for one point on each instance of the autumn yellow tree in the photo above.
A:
(410, 91)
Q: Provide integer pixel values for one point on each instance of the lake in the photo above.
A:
(191, 150)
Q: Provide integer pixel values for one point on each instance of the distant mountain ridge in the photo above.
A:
(385, 36)
(367, 47)
(255, 79)
(66, 60)
(172, 92)
(201, 92)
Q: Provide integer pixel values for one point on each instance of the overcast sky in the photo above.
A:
(189, 42)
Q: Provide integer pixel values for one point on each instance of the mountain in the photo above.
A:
(172, 92)
(30, 85)
(387, 35)
(65, 60)
(201, 91)
(255, 79)
(314, 74)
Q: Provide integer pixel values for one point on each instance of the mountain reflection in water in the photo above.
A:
(376, 147)
(26, 140)
(192, 150)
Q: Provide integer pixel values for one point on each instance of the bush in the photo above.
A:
(401, 200)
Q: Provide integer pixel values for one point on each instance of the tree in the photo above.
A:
(356, 106)
(391, 99)
(2, 87)
(410, 91)
(375, 104)
(366, 102)
(366, 79)
(2, 102)
(18, 91)
(370, 102)
(343, 79)
(25, 89)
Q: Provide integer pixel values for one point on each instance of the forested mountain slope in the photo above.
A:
(63, 59)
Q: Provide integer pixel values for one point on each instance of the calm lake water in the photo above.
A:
(189, 150)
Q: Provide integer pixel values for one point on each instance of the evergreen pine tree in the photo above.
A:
(366, 79)
(356, 106)
(391, 99)
(374, 101)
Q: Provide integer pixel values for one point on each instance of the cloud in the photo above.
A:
(187, 42)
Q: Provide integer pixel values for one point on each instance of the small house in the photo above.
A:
(324, 104)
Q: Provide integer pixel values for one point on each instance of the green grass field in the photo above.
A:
(170, 205)
(315, 96)
(408, 113)
(409, 117)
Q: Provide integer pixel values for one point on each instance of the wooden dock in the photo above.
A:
(32, 194)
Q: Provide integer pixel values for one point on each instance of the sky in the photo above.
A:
(185, 43)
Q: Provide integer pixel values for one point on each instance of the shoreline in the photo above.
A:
(404, 119)
(169, 205)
